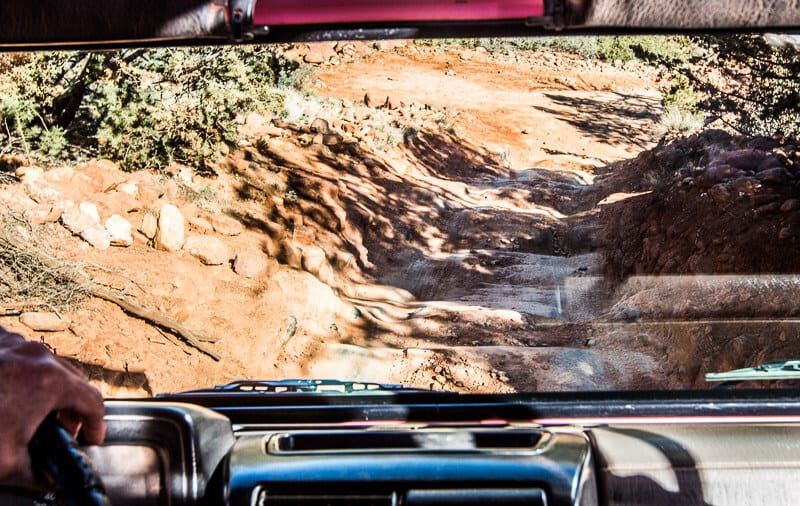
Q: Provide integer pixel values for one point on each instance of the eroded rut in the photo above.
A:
(505, 290)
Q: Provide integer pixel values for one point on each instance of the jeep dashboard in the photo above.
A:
(412, 448)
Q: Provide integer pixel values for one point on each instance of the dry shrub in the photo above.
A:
(25, 282)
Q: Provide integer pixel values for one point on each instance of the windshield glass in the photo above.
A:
(474, 215)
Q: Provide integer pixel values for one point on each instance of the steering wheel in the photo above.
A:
(59, 463)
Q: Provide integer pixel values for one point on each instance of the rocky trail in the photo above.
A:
(441, 218)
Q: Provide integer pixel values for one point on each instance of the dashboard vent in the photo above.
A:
(380, 440)
(267, 498)
(432, 497)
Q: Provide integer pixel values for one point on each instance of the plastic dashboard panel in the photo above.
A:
(433, 450)
(413, 466)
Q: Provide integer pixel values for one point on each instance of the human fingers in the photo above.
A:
(82, 403)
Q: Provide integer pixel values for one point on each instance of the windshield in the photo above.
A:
(473, 215)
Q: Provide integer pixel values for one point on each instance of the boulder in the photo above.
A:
(96, 235)
(790, 205)
(90, 209)
(59, 175)
(149, 225)
(43, 321)
(201, 225)
(42, 192)
(170, 233)
(224, 225)
(320, 126)
(319, 52)
(775, 176)
(77, 218)
(29, 173)
(119, 231)
(99, 175)
(208, 249)
(250, 263)
(130, 189)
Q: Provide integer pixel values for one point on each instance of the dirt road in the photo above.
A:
(444, 234)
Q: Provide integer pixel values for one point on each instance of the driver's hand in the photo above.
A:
(34, 382)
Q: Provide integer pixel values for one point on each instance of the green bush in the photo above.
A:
(749, 84)
(651, 49)
(142, 108)
(680, 94)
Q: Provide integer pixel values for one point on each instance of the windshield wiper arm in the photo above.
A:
(778, 370)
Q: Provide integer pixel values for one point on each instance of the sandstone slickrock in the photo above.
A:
(208, 249)
(290, 254)
(313, 259)
(43, 321)
(170, 233)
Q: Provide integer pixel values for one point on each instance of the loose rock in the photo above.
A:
(745, 159)
(720, 194)
(170, 234)
(250, 263)
(96, 235)
(201, 225)
(76, 218)
(42, 321)
(776, 176)
(629, 314)
(42, 192)
(208, 249)
(149, 225)
(119, 231)
(224, 225)
(790, 205)
(332, 139)
(769, 162)
(320, 126)
(90, 209)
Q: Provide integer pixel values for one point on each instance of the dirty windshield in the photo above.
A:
(472, 215)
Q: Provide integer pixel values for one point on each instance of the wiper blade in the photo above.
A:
(778, 370)
(306, 385)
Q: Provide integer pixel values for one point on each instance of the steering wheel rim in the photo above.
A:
(59, 463)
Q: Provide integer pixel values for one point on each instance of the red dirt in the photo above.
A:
(467, 254)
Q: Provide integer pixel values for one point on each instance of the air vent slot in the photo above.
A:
(493, 497)
(432, 497)
(266, 498)
(371, 440)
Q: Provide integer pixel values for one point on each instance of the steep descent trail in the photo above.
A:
(509, 276)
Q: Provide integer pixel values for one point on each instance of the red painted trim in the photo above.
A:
(313, 12)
